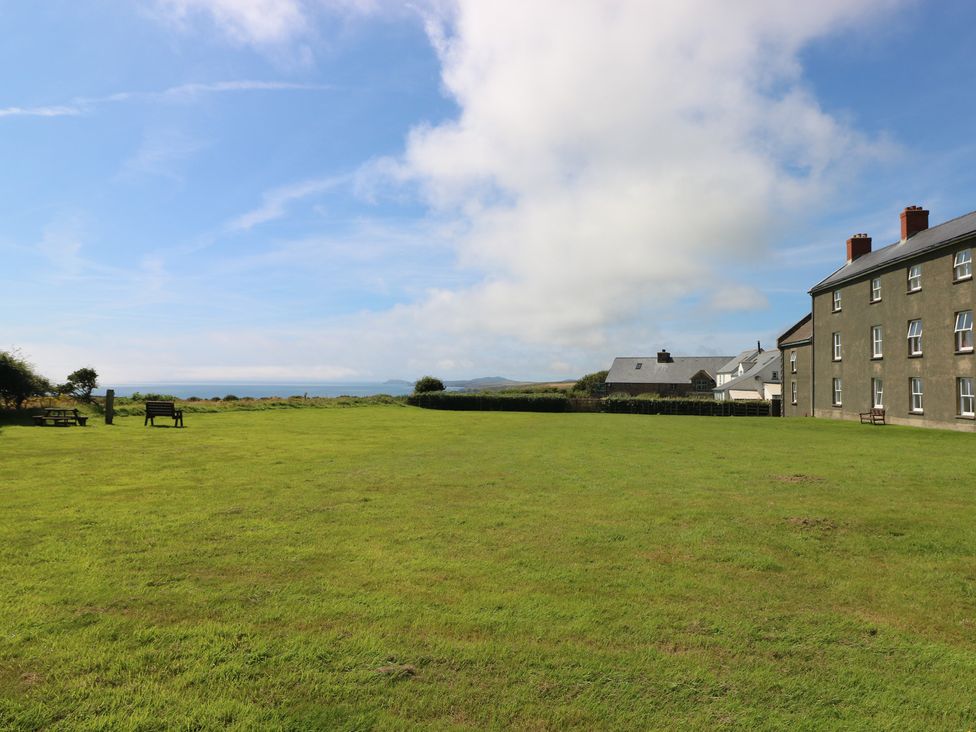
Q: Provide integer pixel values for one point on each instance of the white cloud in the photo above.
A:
(259, 22)
(50, 111)
(728, 298)
(610, 159)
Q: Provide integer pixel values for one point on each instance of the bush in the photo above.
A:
(490, 402)
(151, 397)
(231, 398)
(81, 384)
(428, 384)
(18, 382)
(593, 385)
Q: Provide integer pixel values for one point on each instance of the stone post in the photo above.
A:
(109, 405)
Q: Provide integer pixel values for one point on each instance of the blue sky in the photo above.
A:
(316, 190)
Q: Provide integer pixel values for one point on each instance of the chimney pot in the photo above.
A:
(857, 246)
(913, 220)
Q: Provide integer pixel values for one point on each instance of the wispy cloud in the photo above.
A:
(276, 201)
(181, 92)
(50, 111)
(161, 154)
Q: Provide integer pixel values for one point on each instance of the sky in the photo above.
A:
(360, 190)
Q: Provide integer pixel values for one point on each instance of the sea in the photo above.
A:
(257, 391)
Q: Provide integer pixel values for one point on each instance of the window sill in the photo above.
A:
(963, 279)
(874, 302)
(967, 352)
(912, 292)
(915, 355)
(967, 417)
(877, 358)
(916, 414)
(837, 310)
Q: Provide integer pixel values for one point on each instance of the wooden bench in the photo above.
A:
(163, 409)
(58, 417)
(875, 416)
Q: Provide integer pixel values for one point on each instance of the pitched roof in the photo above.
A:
(950, 232)
(679, 371)
(736, 360)
(800, 332)
(749, 379)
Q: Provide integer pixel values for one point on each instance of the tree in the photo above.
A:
(428, 383)
(593, 384)
(81, 383)
(18, 381)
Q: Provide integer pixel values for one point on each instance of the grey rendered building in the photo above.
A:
(664, 374)
(892, 328)
(796, 349)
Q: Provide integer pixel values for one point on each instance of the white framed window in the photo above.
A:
(877, 341)
(915, 278)
(792, 362)
(915, 338)
(877, 393)
(967, 403)
(915, 390)
(837, 351)
(876, 289)
(962, 265)
(836, 300)
(793, 392)
(838, 392)
(964, 331)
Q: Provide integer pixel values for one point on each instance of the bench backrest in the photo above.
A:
(160, 409)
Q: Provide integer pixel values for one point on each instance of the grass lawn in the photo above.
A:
(397, 568)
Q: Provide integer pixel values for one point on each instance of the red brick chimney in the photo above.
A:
(857, 246)
(913, 220)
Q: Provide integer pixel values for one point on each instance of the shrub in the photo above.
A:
(594, 384)
(231, 398)
(428, 384)
(18, 382)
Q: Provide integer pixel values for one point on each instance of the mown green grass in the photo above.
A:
(534, 571)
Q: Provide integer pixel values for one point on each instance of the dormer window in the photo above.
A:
(915, 278)
(836, 307)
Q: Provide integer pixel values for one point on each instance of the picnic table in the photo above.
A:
(60, 417)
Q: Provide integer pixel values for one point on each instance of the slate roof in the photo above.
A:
(950, 232)
(624, 369)
(748, 379)
(734, 363)
(799, 332)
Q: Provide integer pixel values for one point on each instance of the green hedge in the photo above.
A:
(461, 401)
(495, 402)
(636, 405)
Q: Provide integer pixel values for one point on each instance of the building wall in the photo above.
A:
(935, 304)
(803, 378)
(661, 389)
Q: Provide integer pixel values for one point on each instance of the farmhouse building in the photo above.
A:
(664, 374)
(892, 329)
(758, 378)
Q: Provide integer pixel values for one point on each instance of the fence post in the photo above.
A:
(109, 405)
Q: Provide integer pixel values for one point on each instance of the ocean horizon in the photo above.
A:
(258, 391)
